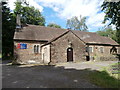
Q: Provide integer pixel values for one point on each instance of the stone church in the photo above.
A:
(39, 44)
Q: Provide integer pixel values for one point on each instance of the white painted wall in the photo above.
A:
(46, 54)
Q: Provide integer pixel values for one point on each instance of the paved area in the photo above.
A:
(85, 65)
(67, 75)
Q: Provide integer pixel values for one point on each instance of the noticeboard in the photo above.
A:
(22, 46)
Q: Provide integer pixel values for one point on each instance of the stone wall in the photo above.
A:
(59, 48)
(99, 56)
(119, 50)
(27, 56)
(57, 51)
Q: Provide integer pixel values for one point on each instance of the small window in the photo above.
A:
(87, 49)
(90, 49)
(36, 48)
(101, 49)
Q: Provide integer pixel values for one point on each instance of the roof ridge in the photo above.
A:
(84, 31)
(56, 38)
(60, 28)
(62, 35)
(47, 27)
(77, 36)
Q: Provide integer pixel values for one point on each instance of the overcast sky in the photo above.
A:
(58, 11)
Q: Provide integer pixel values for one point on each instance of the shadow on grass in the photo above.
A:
(103, 79)
(57, 77)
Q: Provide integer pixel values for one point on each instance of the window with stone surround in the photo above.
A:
(101, 49)
(90, 49)
(87, 49)
(36, 48)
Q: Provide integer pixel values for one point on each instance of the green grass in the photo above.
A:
(113, 70)
(0, 55)
(105, 78)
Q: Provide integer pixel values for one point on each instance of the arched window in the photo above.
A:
(36, 48)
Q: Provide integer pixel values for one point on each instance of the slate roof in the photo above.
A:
(35, 32)
(90, 37)
(41, 33)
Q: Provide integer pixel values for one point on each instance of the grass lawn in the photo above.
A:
(108, 77)
(0, 55)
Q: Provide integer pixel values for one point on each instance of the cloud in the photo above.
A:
(68, 8)
(96, 20)
(11, 4)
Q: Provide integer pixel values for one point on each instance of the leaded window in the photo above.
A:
(36, 48)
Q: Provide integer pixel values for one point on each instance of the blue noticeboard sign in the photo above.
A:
(23, 46)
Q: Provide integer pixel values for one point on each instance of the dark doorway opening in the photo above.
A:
(87, 58)
(69, 54)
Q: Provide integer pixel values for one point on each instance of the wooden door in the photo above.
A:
(69, 55)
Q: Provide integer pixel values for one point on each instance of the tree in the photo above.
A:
(53, 25)
(112, 11)
(29, 15)
(8, 27)
(108, 32)
(76, 24)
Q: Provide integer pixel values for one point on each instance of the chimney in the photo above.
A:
(18, 23)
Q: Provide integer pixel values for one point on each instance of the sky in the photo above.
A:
(58, 11)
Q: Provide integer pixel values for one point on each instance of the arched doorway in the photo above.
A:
(69, 54)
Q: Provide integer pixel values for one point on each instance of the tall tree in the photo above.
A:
(108, 32)
(112, 11)
(29, 15)
(8, 27)
(77, 24)
(53, 25)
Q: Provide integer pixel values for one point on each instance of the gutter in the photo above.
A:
(102, 44)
